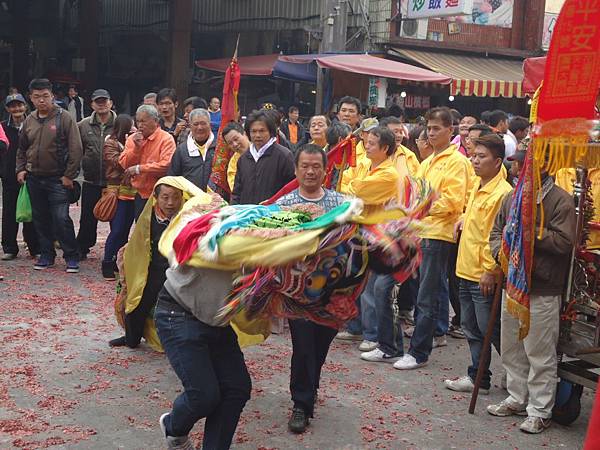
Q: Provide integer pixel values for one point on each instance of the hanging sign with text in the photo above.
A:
(420, 9)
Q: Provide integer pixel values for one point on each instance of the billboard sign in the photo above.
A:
(422, 9)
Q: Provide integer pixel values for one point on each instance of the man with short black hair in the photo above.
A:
(266, 167)
(214, 108)
(235, 137)
(476, 268)
(310, 341)
(475, 131)
(291, 127)
(49, 156)
(167, 104)
(75, 106)
(519, 127)
(93, 130)
(349, 111)
(499, 123)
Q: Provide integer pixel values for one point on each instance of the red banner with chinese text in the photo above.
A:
(572, 69)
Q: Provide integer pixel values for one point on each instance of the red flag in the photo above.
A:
(229, 112)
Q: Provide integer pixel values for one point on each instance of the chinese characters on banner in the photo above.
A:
(418, 9)
(573, 63)
(377, 91)
(412, 101)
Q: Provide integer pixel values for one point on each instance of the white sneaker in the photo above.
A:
(347, 336)
(439, 341)
(505, 408)
(534, 425)
(463, 384)
(367, 346)
(378, 356)
(174, 443)
(408, 362)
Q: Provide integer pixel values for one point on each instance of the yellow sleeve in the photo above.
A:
(232, 169)
(413, 163)
(489, 263)
(453, 193)
(376, 188)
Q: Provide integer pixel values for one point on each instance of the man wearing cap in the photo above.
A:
(49, 157)
(94, 130)
(16, 108)
(362, 162)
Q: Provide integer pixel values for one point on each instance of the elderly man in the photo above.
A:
(94, 130)
(266, 167)
(147, 154)
(310, 341)
(49, 155)
(193, 159)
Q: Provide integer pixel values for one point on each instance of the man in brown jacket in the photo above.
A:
(531, 363)
(49, 156)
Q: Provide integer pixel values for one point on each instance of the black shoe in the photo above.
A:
(299, 421)
(108, 271)
(118, 342)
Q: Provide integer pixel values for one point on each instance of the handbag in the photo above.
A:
(106, 208)
(24, 212)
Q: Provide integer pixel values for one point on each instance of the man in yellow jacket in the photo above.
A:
(476, 268)
(447, 170)
(376, 187)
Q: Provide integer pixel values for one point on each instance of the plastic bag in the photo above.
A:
(24, 213)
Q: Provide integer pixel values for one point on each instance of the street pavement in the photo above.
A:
(62, 387)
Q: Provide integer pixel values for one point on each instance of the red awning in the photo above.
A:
(379, 67)
(249, 65)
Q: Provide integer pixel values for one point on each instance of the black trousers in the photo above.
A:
(136, 320)
(310, 344)
(10, 227)
(88, 224)
(453, 284)
(139, 205)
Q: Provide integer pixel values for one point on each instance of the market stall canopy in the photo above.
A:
(249, 65)
(533, 74)
(380, 67)
(472, 75)
(303, 67)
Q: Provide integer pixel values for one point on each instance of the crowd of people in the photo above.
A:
(471, 163)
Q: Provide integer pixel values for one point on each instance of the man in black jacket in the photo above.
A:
(266, 167)
(94, 130)
(17, 109)
(292, 128)
(193, 159)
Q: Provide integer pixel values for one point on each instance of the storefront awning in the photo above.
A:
(472, 75)
(380, 67)
(260, 65)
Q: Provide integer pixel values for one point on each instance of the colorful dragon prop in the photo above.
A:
(298, 261)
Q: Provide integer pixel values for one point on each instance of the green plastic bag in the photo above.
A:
(24, 213)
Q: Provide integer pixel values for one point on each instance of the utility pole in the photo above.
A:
(334, 22)
(180, 39)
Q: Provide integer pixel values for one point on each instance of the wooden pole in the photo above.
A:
(487, 348)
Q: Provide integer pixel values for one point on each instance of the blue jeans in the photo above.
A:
(433, 284)
(211, 367)
(50, 208)
(475, 314)
(119, 229)
(377, 297)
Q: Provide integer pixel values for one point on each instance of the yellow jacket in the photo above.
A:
(565, 178)
(412, 162)
(362, 165)
(474, 254)
(376, 187)
(232, 169)
(448, 173)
